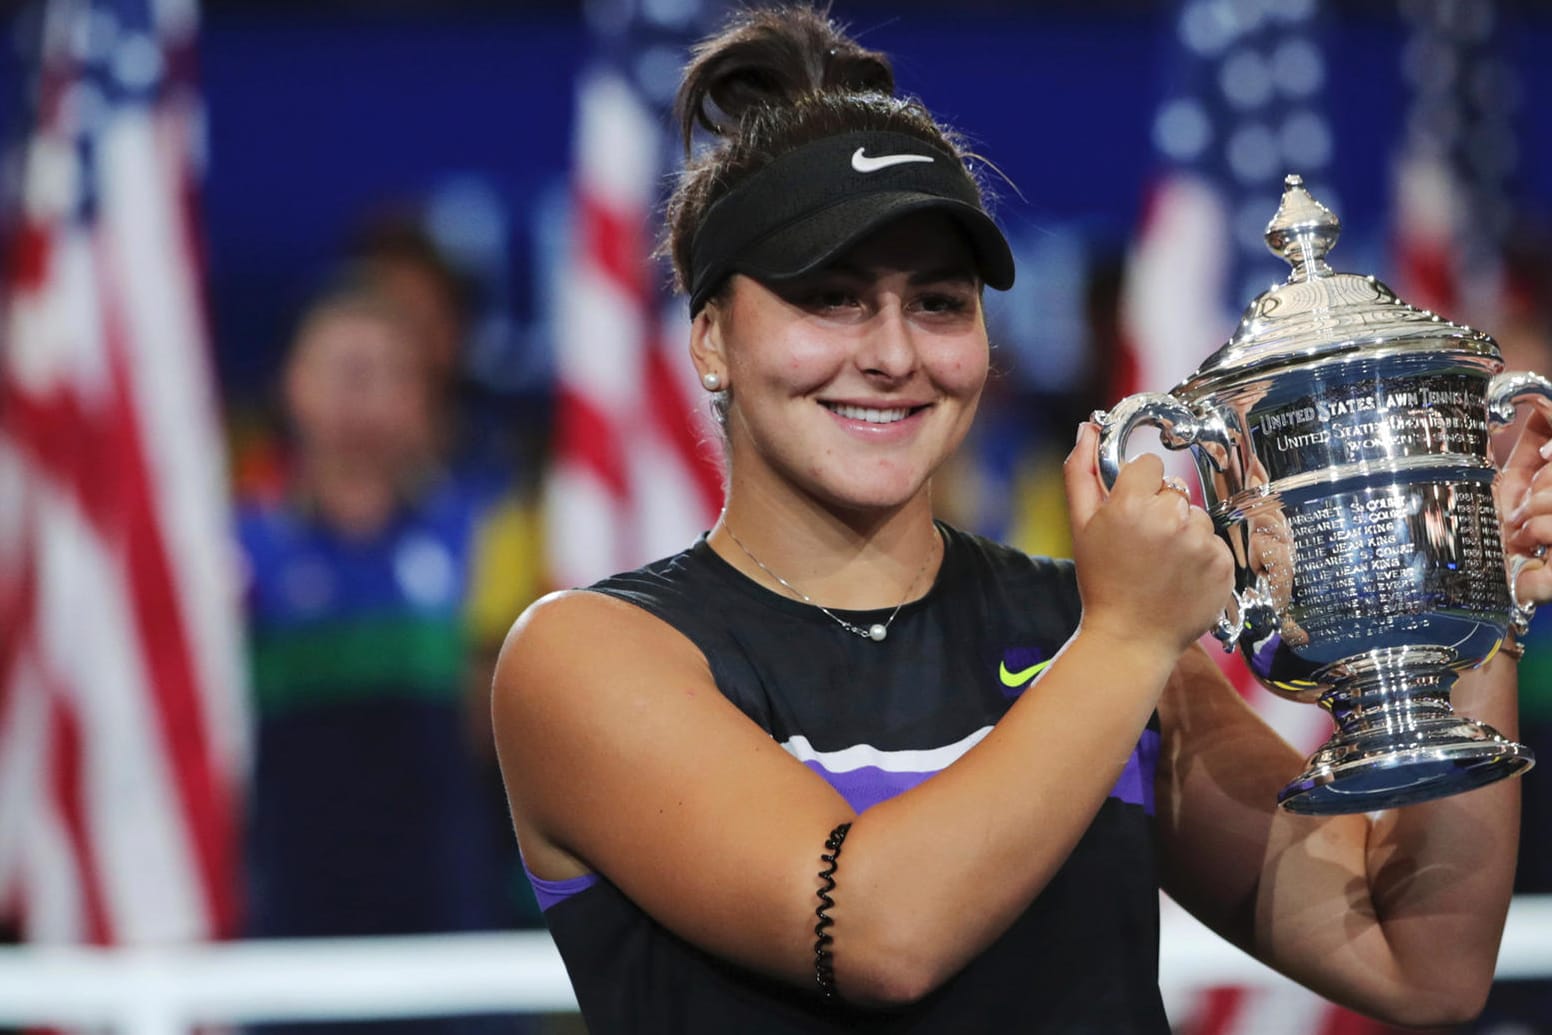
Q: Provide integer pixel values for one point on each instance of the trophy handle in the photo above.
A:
(1510, 387)
(1503, 392)
(1227, 631)
(1180, 426)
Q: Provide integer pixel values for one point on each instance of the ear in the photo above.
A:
(706, 342)
(295, 388)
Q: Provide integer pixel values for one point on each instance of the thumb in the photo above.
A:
(1080, 473)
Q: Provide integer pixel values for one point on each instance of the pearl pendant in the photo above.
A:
(877, 632)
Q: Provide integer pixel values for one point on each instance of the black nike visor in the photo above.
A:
(808, 207)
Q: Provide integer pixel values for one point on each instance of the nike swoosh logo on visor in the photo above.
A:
(865, 164)
(1020, 677)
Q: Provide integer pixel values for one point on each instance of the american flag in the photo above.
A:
(122, 724)
(1242, 106)
(636, 472)
(1454, 174)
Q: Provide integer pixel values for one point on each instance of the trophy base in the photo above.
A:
(1398, 741)
(1384, 769)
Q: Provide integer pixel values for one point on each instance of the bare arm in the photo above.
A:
(621, 756)
(1399, 916)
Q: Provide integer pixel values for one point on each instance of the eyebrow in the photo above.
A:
(956, 272)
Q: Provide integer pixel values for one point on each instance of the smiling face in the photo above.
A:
(853, 384)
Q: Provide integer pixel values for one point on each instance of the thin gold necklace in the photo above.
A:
(875, 632)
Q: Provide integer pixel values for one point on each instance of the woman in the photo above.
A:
(980, 755)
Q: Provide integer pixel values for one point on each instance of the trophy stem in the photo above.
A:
(1398, 741)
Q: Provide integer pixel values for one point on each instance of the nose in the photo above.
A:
(889, 350)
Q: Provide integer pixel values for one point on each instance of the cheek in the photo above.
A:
(795, 368)
(962, 369)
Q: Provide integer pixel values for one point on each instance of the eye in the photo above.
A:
(946, 302)
(831, 296)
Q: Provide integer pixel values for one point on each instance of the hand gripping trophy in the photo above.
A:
(1341, 437)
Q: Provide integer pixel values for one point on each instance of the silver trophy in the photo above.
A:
(1341, 437)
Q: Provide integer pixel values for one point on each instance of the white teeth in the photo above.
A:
(870, 415)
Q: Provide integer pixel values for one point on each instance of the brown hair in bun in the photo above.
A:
(772, 80)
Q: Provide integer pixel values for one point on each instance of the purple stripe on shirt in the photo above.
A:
(554, 892)
(866, 786)
(1136, 782)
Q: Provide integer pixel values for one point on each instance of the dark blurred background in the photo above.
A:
(322, 113)
(426, 153)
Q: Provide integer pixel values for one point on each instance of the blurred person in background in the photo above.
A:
(480, 439)
(401, 260)
(477, 441)
(369, 812)
(481, 444)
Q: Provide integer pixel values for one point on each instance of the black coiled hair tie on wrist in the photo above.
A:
(824, 966)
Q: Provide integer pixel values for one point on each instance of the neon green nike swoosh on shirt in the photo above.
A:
(1022, 676)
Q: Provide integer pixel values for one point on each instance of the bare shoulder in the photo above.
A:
(575, 630)
(577, 651)
(622, 757)
(574, 664)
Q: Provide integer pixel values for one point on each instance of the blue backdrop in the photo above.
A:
(320, 117)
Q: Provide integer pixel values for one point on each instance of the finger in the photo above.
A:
(1202, 521)
(1222, 556)
(1141, 476)
(1178, 485)
(1526, 536)
(1516, 493)
(1168, 506)
(1528, 506)
(1527, 456)
(1534, 585)
(1080, 473)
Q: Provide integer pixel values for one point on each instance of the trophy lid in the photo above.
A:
(1319, 313)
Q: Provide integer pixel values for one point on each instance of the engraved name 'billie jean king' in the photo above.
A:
(1341, 437)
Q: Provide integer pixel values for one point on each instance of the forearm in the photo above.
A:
(1398, 916)
(932, 877)
(1442, 873)
(1414, 938)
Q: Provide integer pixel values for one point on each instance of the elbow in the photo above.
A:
(1440, 1017)
(1439, 1008)
(1455, 1012)
(885, 985)
(891, 969)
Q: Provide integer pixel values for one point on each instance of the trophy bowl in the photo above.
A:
(1342, 442)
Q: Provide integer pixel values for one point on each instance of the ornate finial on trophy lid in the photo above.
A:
(1302, 231)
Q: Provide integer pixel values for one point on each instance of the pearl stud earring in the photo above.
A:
(712, 380)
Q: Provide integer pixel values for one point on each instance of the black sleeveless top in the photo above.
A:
(875, 719)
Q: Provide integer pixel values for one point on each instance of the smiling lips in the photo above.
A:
(870, 414)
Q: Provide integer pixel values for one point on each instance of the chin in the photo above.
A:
(855, 494)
